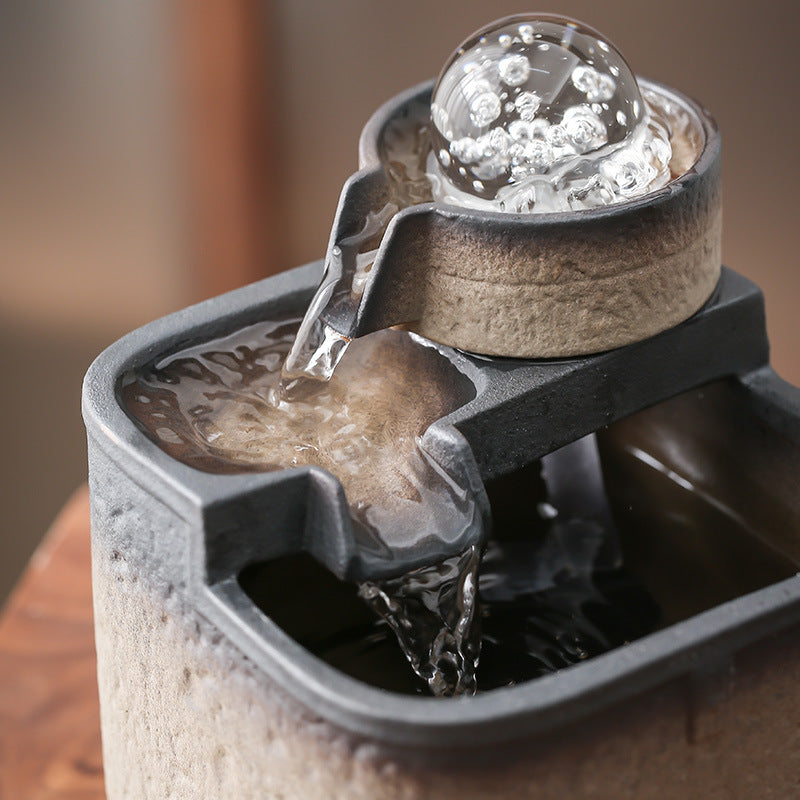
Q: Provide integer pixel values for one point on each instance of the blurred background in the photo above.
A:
(156, 153)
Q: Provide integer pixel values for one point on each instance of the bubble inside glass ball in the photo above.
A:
(542, 114)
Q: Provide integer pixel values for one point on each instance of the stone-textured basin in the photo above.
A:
(203, 696)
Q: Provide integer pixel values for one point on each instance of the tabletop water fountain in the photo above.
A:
(500, 499)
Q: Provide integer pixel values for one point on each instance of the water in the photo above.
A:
(557, 592)
(548, 599)
(318, 348)
(217, 407)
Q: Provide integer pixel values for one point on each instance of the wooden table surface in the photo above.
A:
(49, 712)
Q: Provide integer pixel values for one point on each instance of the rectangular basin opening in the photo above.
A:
(705, 510)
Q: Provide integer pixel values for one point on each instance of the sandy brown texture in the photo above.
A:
(560, 288)
(583, 298)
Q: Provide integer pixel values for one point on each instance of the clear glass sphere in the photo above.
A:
(542, 114)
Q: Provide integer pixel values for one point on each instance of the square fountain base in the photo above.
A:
(204, 696)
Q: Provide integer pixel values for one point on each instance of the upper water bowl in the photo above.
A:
(531, 285)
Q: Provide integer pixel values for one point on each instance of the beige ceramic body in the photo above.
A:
(186, 717)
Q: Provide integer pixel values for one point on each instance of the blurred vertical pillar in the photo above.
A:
(227, 95)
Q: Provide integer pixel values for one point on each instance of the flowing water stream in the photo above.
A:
(318, 347)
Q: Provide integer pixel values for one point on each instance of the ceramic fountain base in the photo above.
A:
(203, 696)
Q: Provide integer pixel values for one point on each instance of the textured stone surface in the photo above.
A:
(570, 294)
(185, 716)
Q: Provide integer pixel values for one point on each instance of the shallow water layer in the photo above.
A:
(217, 407)
(214, 407)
